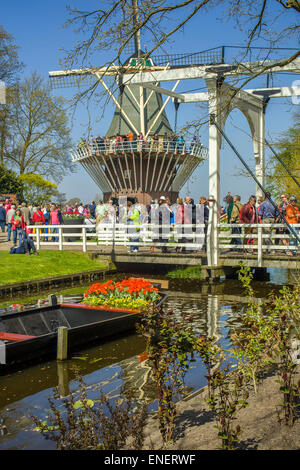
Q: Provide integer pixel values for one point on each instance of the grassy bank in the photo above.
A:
(191, 272)
(18, 268)
(32, 299)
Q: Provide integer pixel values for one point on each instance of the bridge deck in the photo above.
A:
(227, 259)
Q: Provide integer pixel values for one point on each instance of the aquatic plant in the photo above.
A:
(169, 351)
(81, 424)
(227, 392)
(266, 340)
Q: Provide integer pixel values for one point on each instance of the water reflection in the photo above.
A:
(113, 365)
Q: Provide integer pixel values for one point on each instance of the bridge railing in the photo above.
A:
(191, 237)
(258, 239)
(110, 234)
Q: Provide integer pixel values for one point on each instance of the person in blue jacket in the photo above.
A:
(2, 217)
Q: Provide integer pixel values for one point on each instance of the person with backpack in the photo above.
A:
(268, 215)
(26, 245)
(92, 209)
(235, 219)
(28, 242)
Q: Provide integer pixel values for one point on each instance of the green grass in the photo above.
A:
(30, 300)
(18, 268)
(191, 272)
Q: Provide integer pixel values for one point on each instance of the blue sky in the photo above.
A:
(37, 27)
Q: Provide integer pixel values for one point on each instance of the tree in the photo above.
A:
(289, 149)
(10, 66)
(117, 23)
(60, 198)
(36, 189)
(10, 183)
(73, 201)
(40, 136)
(113, 27)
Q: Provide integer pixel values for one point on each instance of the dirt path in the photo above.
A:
(261, 423)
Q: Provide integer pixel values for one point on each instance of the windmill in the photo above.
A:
(152, 161)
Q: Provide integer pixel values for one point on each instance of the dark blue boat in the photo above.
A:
(31, 335)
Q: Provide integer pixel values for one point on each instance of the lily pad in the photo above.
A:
(45, 427)
(78, 404)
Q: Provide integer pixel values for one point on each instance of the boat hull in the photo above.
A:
(86, 325)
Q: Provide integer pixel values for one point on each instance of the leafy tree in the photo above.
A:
(10, 66)
(289, 149)
(114, 25)
(73, 201)
(117, 24)
(36, 189)
(10, 183)
(60, 198)
(40, 136)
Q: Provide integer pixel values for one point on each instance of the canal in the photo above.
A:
(115, 364)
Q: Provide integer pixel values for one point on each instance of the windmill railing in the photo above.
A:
(85, 150)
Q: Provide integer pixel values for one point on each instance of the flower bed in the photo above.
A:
(73, 219)
(131, 294)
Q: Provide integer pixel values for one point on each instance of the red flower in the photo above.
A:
(143, 357)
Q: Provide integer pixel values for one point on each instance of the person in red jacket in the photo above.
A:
(179, 220)
(248, 215)
(7, 205)
(38, 217)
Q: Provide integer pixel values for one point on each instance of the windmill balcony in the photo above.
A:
(97, 148)
(142, 169)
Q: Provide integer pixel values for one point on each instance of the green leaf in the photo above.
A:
(95, 360)
(78, 404)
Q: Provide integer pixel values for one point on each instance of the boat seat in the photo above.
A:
(14, 337)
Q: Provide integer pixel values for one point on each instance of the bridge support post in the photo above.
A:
(223, 98)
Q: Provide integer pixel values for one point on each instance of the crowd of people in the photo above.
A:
(15, 219)
(187, 212)
(264, 210)
(167, 142)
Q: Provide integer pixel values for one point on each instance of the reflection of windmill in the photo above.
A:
(144, 168)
